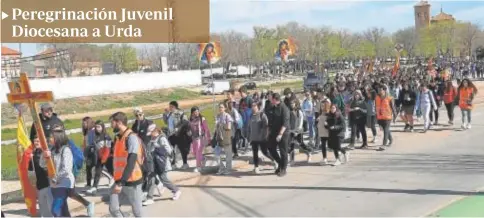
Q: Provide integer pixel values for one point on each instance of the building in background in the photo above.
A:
(424, 19)
(422, 14)
(10, 62)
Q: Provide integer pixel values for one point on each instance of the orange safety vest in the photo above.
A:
(465, 95)
(383, 108)
(450, 96)
(120, 159)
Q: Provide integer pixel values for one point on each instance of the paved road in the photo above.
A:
(419, 175)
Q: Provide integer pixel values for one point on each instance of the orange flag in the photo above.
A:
(396, 66)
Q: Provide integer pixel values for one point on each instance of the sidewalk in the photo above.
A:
(16, 207)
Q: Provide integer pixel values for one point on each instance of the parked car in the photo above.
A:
(250, 85)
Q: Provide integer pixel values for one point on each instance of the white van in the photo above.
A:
(219, 87)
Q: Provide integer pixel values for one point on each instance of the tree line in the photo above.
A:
(447, 39)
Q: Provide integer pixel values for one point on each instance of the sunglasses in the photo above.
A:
(139, 115)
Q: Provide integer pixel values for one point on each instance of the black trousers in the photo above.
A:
(324, 150)
(297, 140)
(235, 141)
(183, 145)
(263, 148)
(359, 126)
(280, 157)
(450, 111)
(434, 115)
(372, 123)
(334, 142)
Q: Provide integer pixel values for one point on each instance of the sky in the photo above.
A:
(354, 15)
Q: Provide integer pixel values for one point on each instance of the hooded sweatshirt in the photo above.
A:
(258, 127)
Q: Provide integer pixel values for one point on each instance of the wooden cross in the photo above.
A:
(21, 93)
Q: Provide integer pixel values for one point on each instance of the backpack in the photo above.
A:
(77, 158)
(147, 162)
(238, 119)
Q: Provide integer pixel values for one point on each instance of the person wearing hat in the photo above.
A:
(48, 119)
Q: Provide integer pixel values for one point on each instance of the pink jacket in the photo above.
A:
(202, 127)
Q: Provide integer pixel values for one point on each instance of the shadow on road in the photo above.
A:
(377, 190)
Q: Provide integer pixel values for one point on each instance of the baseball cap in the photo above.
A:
(45, 106)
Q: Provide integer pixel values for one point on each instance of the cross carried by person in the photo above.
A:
(24, 94)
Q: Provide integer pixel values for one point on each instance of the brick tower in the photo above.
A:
(422, 14)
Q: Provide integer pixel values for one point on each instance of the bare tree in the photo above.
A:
(374, 35)
(408, 38)
(468, 34)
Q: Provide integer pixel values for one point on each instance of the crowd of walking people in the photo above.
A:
(137, 160)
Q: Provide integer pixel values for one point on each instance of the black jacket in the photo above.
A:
(40, 173)
(278, 116)
(338, 123)
(47, 124)
(407, 93)
(141, 128)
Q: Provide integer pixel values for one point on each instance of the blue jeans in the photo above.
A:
(466, 114)
(311, 127)
(59, 203)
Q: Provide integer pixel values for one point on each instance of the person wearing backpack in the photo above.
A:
(78, 162)
(64, 180)
(296, 118)
(101, 147)
(128, 158)
(177, 124)
(161, 151)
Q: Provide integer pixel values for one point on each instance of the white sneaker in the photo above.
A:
(337, 163)
(324, 162)
(220, 171)
(469, 126)
(148, 202)
(92, 191)
(309, 157)
(185, 167)
(463, 126)
(256, 170)
(347, 157)
(196, 170)
(374, 139)
(145, 195)
(275, 165)
(176, 195)
(292, 163)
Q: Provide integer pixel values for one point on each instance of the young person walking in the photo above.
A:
(161, 151)
(466, 93)
(63, 181)
(385, 110)
(323, 132)
(200, 136)
(223, 135)
(102, 150)
(44, 193)
(336, 125)
(258, 134)
(357, 116)
(450, 93)
(408, 99)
